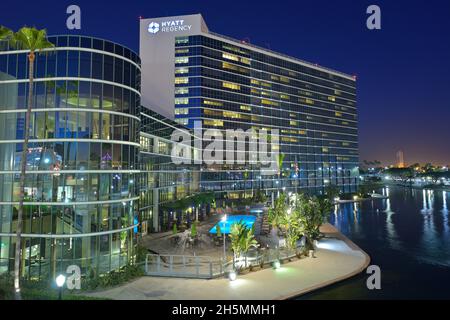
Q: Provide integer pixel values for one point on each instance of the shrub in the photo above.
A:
(174, 229)
(194, 229)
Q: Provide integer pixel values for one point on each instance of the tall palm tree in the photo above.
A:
(32, 40)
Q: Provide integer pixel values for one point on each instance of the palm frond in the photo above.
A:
(5, 36)
(31, 39)
(5, 33)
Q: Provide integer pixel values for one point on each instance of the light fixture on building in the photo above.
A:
(60, 281)
(276, 264)
(232, 275)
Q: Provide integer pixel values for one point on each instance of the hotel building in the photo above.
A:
(191, 74)
(99, 166)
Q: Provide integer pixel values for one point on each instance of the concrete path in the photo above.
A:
(337, 258)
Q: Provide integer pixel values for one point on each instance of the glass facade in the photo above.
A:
(161, 180)
(228, 85)
(81, 201)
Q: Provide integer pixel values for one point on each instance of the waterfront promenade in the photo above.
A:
(336, 259)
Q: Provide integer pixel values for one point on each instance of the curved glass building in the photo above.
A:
(81, 200)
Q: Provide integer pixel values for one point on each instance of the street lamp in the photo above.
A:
(224, 220)
(60, 280)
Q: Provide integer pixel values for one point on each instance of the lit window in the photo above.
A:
(309, 101)
(254, 81)
(214, 123)
(181, 60)
(293, 122)
(338, 114)
(181, 100)
(332, 98)
(181, 40)
(181, 80)
(274, 78)
(184, 50)
(213, 103)
(231, 114)
(230, 56)
(181, 70)
(269, 102)
(324, 149)
(289, 139)
(181, 90)
(226, 65)
(182, 121)
(284, 96)
(246, 108)
(181, 110)
(245, 60)
(303, 132)
(232, 86)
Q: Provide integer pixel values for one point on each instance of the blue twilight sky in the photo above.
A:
(403, 70)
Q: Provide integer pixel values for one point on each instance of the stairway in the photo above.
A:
(265, 227)
(258, 225)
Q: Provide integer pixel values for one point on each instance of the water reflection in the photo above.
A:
(413, 222)
(407, 235)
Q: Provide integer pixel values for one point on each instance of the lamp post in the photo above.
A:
(224, 220)
(60, 280)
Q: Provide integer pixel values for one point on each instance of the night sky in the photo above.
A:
(403, 70)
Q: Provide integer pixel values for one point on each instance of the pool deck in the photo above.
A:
(336, 259)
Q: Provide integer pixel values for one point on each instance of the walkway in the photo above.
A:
(337, 258)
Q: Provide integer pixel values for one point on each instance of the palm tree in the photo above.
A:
(5, 33)
(32, 40)
(242, 239)
(278, 211)
(248, 241)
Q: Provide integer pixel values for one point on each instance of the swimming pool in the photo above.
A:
(248, 220)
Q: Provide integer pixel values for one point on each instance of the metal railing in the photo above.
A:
(183, 266)
(203, 267)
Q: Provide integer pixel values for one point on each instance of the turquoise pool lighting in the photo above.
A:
(248, 220)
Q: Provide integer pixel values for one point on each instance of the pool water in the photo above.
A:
(226, 226)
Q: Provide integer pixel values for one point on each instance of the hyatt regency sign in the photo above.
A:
(168, 26)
